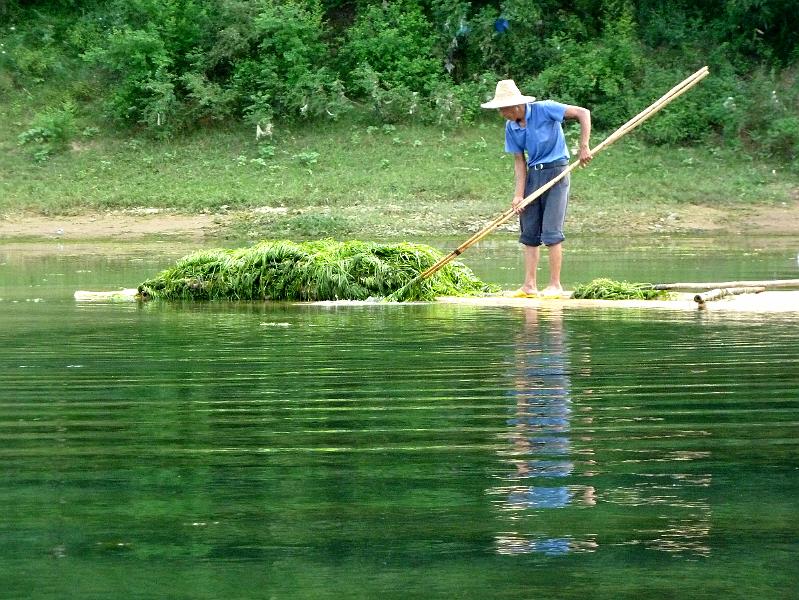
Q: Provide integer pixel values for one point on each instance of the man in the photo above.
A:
(534, 129)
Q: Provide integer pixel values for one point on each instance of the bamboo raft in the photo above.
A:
(740, 296)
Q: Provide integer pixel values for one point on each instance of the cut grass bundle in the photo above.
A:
(608, 289)
(318, 270)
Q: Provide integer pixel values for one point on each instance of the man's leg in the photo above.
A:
(555, 260)
(531, 255)
(530, 235)
(552, 233)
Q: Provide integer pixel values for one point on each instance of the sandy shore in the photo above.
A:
(122, 225)
(143, 223)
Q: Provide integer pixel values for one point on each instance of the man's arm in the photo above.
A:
(520, 173)
(583, 116)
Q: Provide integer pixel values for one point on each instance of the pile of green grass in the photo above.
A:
(318, 270)
(608, 289)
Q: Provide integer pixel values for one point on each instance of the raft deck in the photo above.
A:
(763, 302)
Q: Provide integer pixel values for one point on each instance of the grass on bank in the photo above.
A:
(353, 179)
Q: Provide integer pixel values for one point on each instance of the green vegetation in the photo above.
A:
(608, 289)
(368, 112)
(407, 181)
(321, 270)
(164, 66)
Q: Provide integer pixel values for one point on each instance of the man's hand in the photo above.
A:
(583, 116)
(515, 204)
(585, 156)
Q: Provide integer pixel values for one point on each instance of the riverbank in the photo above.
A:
(356, 181)
(147, 223)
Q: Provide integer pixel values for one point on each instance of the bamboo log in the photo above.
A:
(718, 293)
(645, 114)
(127, 295)
(691, 286)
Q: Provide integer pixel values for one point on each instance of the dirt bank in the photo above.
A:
(123, 225)
(146, 223)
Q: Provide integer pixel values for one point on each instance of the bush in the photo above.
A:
(31, 52)
(206, 100)
(452, 104)
(517, 50)
(171, 64)
(138, 67)
(144, 53)
(388, 104)
(599, 74)
(513, 39)
(690, 117)
(451, 28)
(782, 137)
(50, 131)
(764, 112)
(394, 43)
(285, 75)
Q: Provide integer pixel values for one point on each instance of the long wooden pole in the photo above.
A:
(671, 95)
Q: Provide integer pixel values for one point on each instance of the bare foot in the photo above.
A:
(524, 292)
(553, 291)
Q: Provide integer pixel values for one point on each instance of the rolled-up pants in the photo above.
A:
(542, 220)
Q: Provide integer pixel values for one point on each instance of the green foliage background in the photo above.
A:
(165, 66)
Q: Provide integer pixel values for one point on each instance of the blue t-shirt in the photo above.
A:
(543, 138)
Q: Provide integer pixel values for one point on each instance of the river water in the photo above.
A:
(395, 451)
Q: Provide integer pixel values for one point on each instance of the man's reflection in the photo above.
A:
(540, 442)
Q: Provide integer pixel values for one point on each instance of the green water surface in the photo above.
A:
(395, 451)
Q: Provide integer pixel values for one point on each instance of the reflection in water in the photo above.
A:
(540, 451)
(659, 459)
(685, 520)
(558, 449)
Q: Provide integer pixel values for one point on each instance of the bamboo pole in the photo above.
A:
(723, 292)
(671, 95)
(690, 286)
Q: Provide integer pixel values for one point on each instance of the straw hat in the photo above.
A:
(507, 94)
